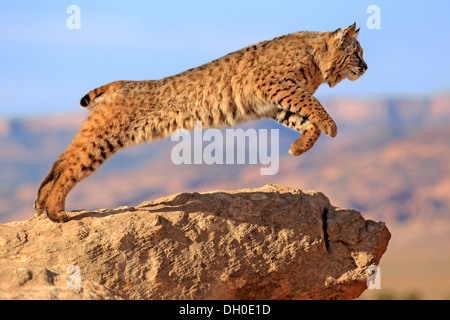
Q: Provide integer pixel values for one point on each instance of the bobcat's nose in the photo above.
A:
(363, 65)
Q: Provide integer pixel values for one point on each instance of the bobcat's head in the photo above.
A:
(345, 56)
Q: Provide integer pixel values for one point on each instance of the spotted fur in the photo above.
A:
(274, 79)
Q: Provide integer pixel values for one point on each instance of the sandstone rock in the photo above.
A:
(22, 281)
(274, 242)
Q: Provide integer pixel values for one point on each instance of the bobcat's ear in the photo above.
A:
(346, 35)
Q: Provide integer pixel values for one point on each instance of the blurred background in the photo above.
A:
(390, 160)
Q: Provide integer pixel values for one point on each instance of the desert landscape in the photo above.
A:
(390, 161)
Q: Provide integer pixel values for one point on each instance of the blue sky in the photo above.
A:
(46, 67)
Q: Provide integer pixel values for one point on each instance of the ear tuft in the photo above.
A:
(347, 35)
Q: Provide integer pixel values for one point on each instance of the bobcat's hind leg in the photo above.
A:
(94, 144)
(46, 187)
(80, 161)
(55, 204)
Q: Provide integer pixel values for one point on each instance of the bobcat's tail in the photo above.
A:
(88, 100)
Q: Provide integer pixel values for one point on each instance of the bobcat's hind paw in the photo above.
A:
(59, 217)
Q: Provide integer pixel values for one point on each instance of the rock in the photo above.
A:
(274, 242)
(22, 281)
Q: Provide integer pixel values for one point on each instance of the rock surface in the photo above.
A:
(22, 281)
(274, 242)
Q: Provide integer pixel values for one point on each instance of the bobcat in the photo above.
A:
(274, 79)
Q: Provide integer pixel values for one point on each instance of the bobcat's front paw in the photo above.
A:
(329, 128)
(306, 141)
(296, 150)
